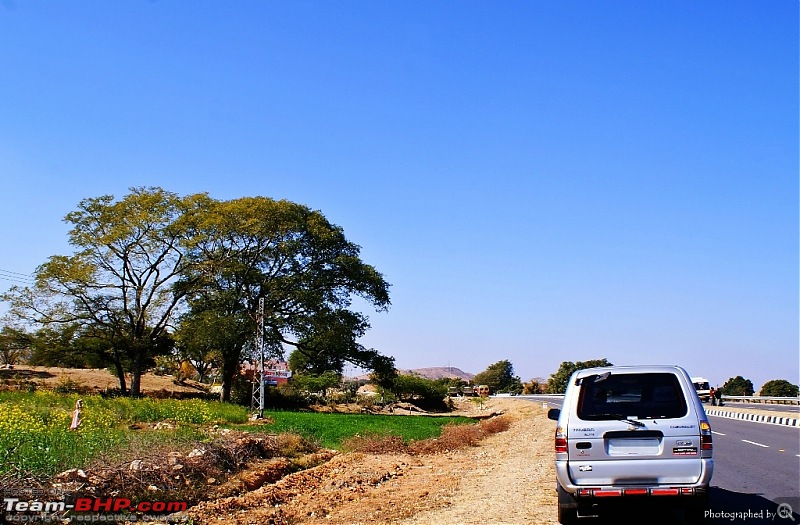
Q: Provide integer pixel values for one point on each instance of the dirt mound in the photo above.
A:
(352, 488)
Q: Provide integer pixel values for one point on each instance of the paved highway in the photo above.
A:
(756, 468)
(754, 461)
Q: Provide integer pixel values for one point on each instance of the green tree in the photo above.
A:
(500, 378)
(779, 388)
(119, 281)
(534, 386)
(738, 386)
(69, 345)
(198, 338)
(412, 387)
(218, 326)
(316, 383)
(300, 264)
(15, 345)
(557, 383)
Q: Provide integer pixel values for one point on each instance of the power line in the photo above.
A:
(8, 275)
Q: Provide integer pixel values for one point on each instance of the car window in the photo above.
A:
(644, 396)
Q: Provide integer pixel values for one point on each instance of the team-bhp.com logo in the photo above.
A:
(23, 508)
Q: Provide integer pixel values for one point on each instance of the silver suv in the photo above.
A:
(628, 434)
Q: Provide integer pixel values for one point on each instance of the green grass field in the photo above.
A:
(35, 438)
(331, 430)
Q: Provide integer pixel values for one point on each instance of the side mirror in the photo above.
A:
(553, 414)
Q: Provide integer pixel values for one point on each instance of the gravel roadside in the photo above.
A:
(509, 479)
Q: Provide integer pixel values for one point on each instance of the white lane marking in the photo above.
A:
(718, 433)
(756, 444)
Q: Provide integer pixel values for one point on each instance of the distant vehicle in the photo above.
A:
(465, 391)
(631, 433)
(482, 390)
(702, 387)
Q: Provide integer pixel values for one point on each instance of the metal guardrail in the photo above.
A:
(762, 399)
(726, 399)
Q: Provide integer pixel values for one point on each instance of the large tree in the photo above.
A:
(500, 378)
(119, 282)
(303, 268)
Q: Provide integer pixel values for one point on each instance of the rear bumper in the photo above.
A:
(696, 488)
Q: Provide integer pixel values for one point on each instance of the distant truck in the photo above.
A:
(461, 391)
(703, 388)
(469, 391)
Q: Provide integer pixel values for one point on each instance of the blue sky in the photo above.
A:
(539, 181)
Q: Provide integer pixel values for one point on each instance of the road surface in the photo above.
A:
(756, 469)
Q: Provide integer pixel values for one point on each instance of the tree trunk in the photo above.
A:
(136, 374)
(123, 387)
(230, 368)
(136, 383)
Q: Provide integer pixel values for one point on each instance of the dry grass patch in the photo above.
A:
(495, 425)
(453, 437)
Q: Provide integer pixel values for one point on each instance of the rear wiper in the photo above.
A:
(620, 417)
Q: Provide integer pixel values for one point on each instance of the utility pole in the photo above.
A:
(259, 377)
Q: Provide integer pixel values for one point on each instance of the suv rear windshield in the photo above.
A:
(644, 396)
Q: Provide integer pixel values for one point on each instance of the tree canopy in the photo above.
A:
(119, 281)
(304, 269)
(557, 383)
(500, 378)
(152, 261)
(422, 390)
(15, 344)
(779, 388)
(738, 386)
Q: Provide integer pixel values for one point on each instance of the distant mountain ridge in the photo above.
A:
(439, 372)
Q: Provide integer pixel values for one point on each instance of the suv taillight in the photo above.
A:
(561, 440)
(705, 436)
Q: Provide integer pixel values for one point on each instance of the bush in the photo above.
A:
(495, 425)
(779, 388)
(422, 392)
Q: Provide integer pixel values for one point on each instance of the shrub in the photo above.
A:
(420, 391)
(495, 425)
(453, 437)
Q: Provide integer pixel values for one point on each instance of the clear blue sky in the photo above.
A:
(539, 181)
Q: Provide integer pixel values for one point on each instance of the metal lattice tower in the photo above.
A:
(259, 378)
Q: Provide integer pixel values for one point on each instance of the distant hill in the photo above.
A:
(431, 372)
(439, 372)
